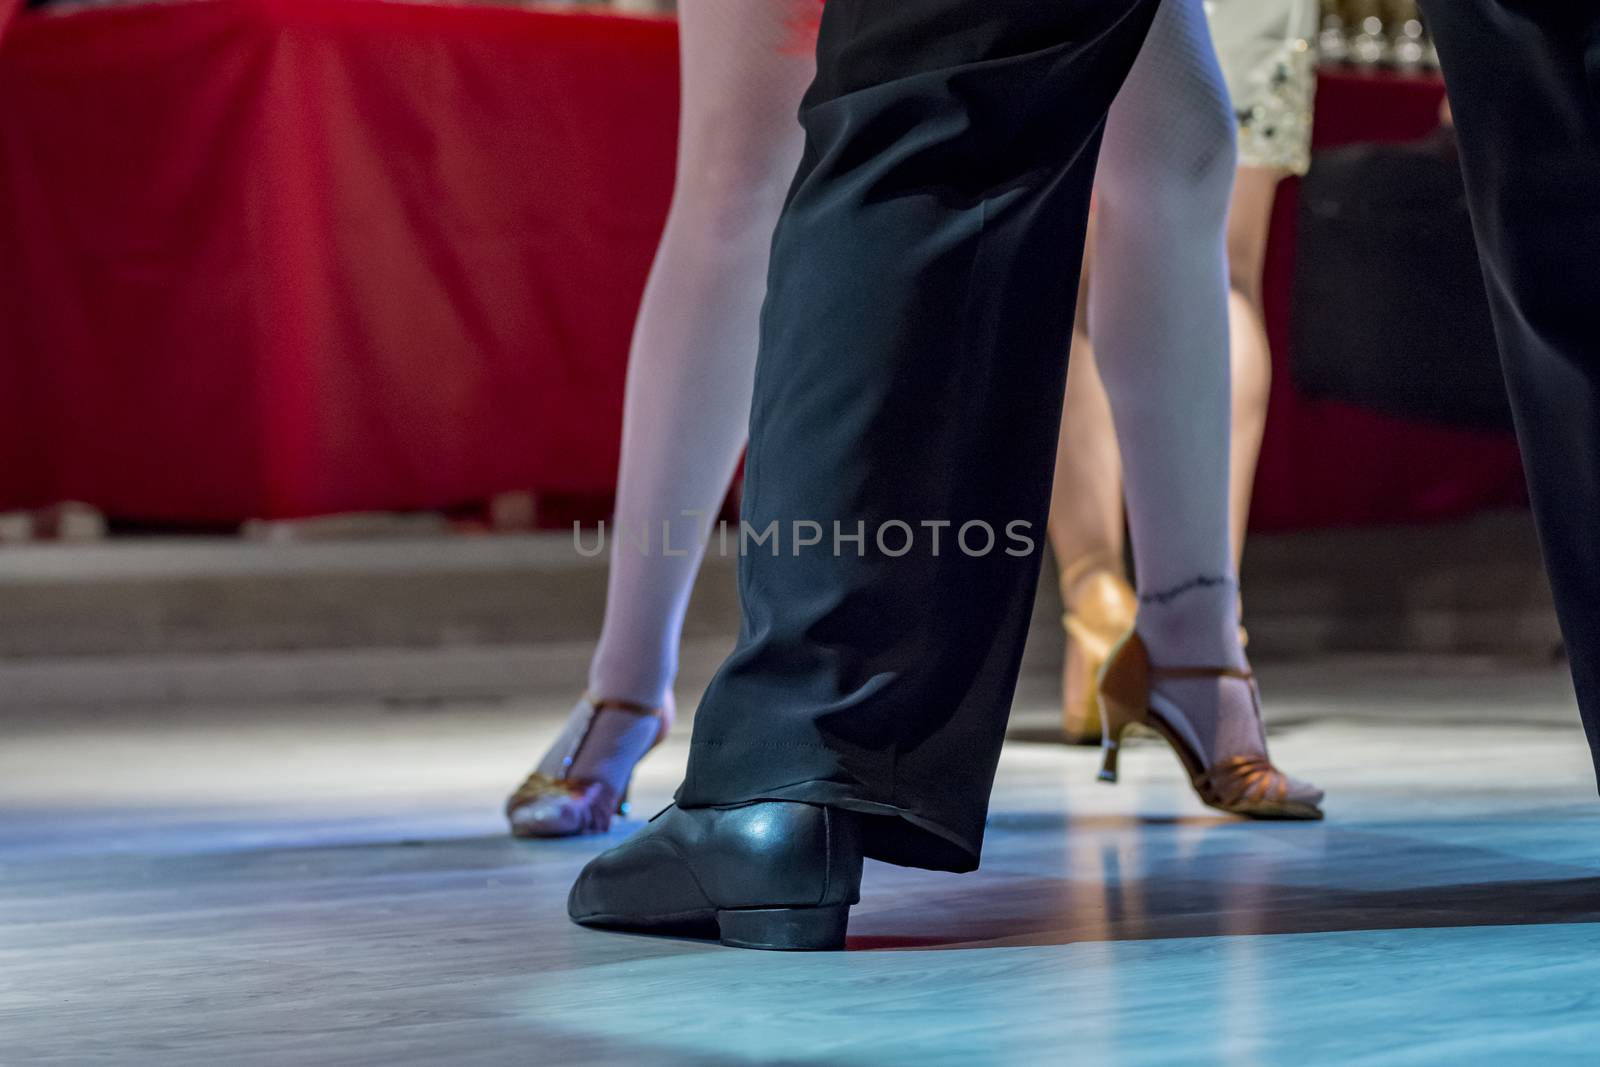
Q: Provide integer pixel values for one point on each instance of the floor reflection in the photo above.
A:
(1054, 881)
(340, 890)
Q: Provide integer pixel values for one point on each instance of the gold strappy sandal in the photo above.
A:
(1240, 785)
(552, 803)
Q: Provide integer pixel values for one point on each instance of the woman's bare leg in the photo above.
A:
(690, 376)
(1249, 223)
(1087, 533)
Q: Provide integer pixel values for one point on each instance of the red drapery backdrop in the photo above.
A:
(289, 257)
(1330, 464)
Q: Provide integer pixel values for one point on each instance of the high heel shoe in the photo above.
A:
(1100, 608)
(576, 790)
(1247, 785)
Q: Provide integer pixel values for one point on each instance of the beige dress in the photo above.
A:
(1267, 49)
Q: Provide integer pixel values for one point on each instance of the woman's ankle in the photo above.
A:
(1194, 623)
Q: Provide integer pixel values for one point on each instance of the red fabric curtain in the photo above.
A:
(1329, 464)
(290, 257)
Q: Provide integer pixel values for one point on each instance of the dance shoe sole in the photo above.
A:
(771, 929)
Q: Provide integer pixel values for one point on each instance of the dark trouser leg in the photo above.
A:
(1524, 78)
(913, 359)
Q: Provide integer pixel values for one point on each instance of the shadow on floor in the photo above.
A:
(1124, 879)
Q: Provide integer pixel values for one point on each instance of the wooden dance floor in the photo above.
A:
(330, 885)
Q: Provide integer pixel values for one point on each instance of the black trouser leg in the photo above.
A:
(913, 359)
(1524, 78)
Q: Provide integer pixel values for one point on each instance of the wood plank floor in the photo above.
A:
(330, 885)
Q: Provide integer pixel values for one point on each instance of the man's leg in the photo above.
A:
(1524, 79)
(913, 357)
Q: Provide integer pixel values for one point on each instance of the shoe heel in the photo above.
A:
(786, 929)
(1118, 717)
(1124, 692)
(1108, 764)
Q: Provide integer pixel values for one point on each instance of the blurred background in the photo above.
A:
(313, 329)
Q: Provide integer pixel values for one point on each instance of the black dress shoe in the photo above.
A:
(770, 874)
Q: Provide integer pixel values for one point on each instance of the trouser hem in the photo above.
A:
(891, 833)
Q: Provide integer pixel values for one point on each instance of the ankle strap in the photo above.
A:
(1202, 672)
(607, 704)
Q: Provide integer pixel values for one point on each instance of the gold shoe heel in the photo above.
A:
(1124, 686)
(1101, 608)
(1109, 749)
